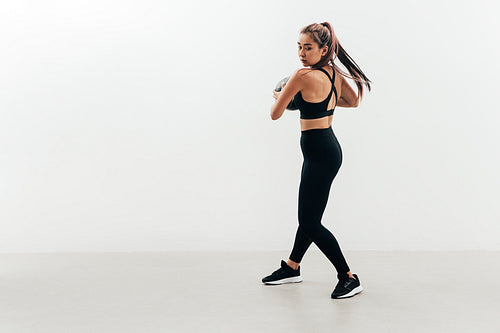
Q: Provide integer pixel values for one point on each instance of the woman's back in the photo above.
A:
(318, 99)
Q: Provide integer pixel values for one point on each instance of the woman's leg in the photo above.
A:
(322, 160)
(300, 245)
(302, 241)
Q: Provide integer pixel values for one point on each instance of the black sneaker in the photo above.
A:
(285, 274)
(347, 288)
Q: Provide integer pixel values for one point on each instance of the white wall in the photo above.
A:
(137, 126)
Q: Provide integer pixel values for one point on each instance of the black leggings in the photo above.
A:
(322, 160)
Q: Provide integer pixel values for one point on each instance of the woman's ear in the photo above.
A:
(325, 50)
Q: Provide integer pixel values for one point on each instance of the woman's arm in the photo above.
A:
(292, 87)
(348, 97)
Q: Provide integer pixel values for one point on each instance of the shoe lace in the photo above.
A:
(343, 284)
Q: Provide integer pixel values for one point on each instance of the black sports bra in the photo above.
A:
(310, 110)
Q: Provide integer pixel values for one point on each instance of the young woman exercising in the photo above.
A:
(316, 90)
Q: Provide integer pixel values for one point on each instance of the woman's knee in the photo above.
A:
(310, 228)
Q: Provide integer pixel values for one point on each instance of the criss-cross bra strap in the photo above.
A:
(332, 80)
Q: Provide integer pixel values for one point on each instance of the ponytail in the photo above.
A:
(323, 35)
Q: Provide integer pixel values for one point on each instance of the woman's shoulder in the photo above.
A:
(313, 74)
(302, 73)
(304, 70)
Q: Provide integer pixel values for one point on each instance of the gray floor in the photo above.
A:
(222, 292)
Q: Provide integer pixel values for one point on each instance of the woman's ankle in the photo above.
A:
(293, 264)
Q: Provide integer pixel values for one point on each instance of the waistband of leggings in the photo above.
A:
(317, 131)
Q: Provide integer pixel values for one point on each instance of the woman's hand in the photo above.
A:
(276, 94)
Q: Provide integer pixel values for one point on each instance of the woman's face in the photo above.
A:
(309, 51)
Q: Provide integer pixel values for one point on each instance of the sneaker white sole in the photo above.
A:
(287, 280)
(352, 293)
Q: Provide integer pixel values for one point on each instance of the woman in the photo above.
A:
(316, 90)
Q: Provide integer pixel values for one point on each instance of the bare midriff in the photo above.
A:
(307, 124)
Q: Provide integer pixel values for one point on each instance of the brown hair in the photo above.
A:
(323, 35)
